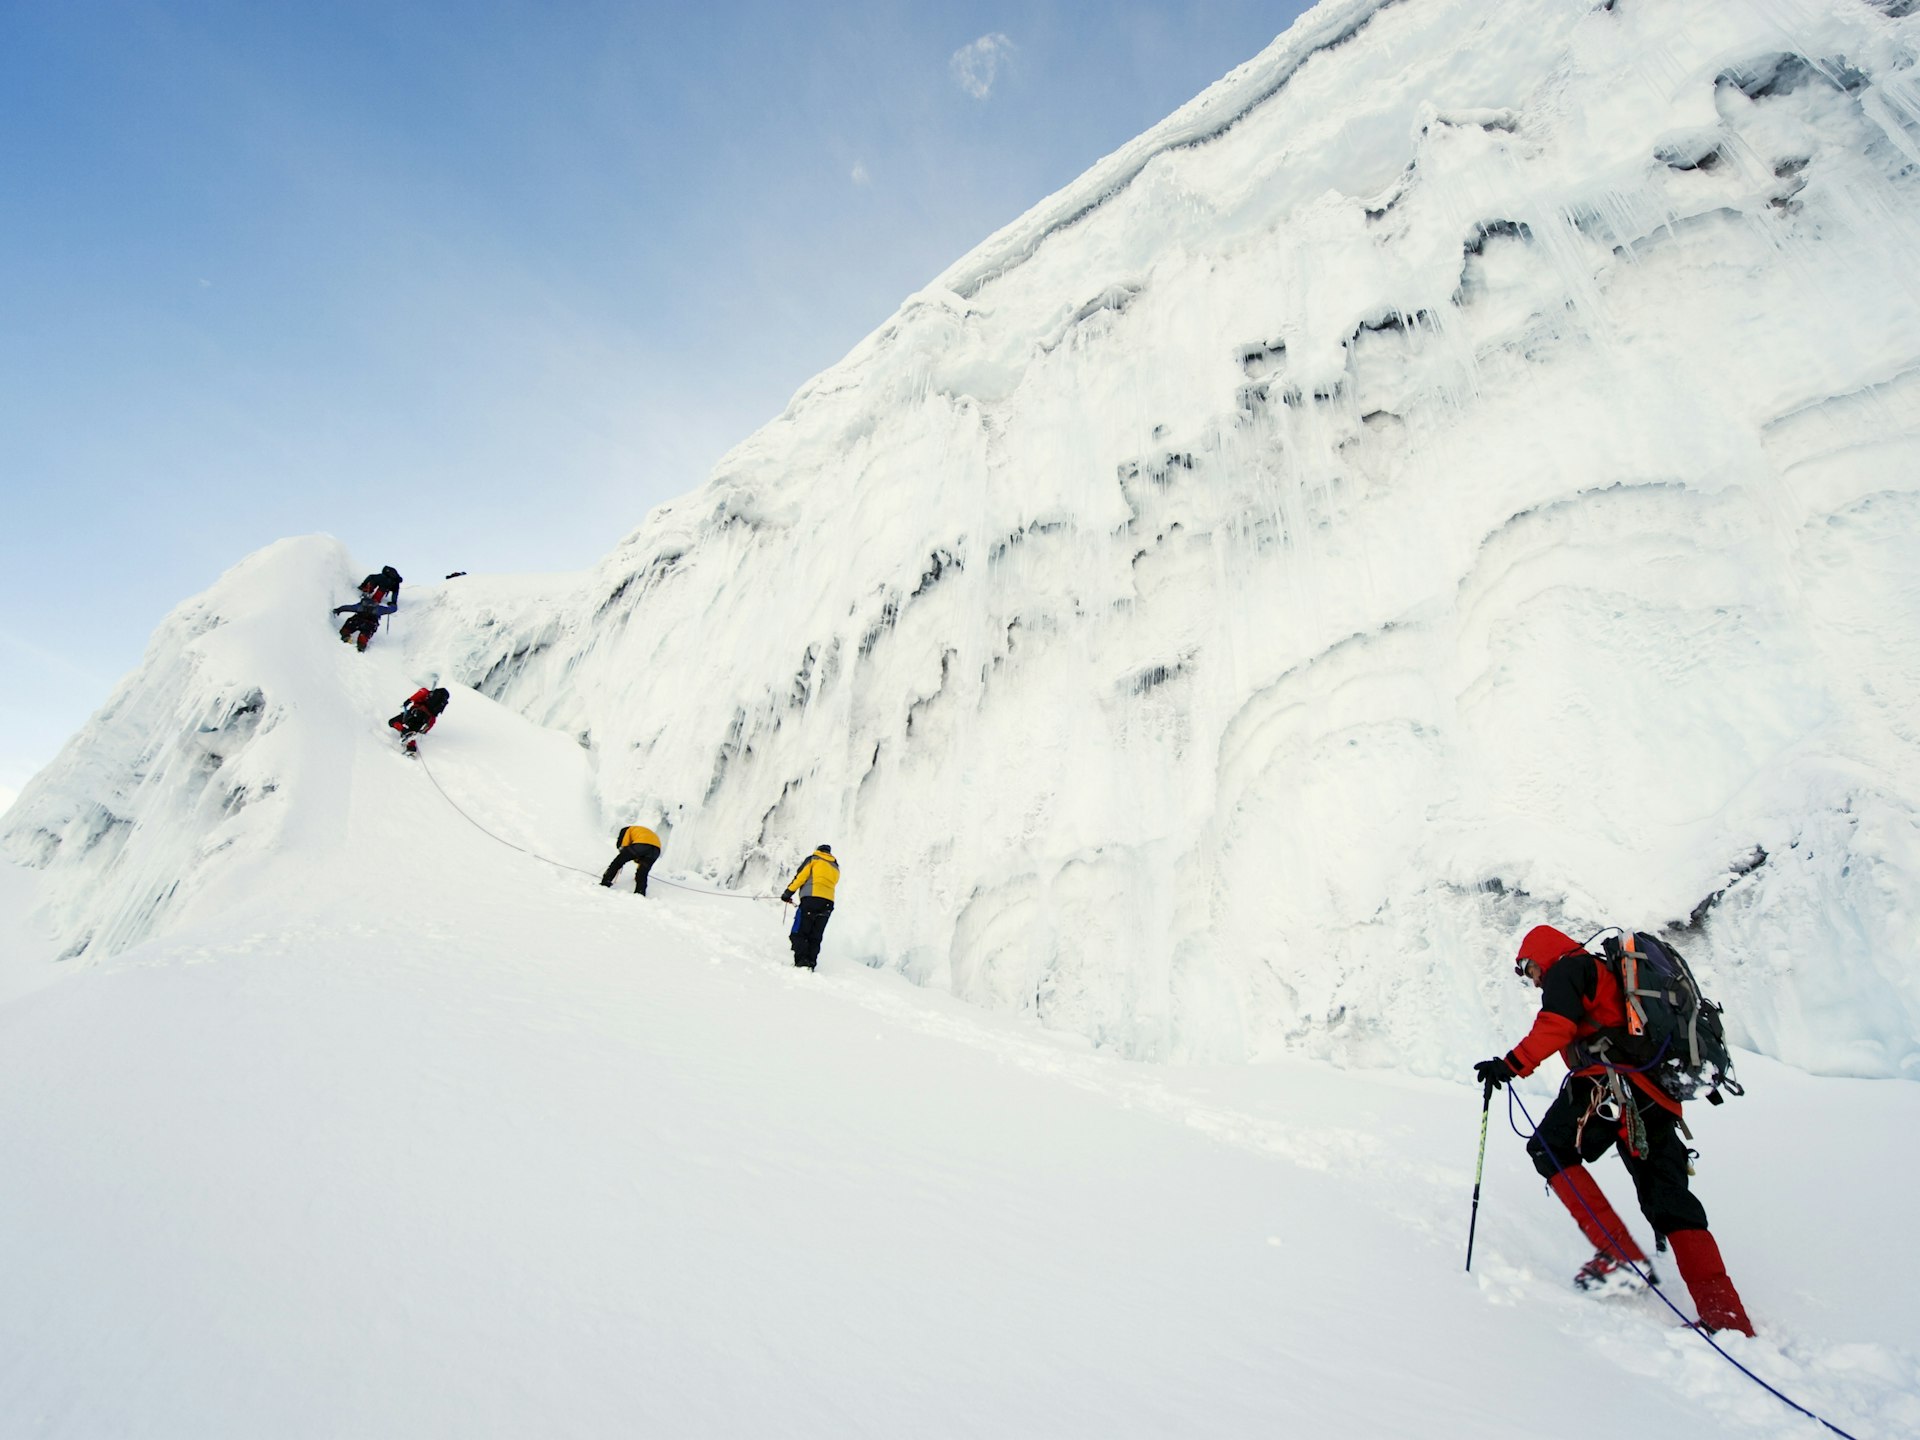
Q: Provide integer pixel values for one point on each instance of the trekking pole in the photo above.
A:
(1486, 1104)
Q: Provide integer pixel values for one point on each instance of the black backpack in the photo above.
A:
(1674, 1034)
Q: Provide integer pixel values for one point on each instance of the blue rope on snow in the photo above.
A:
(1514, 1099)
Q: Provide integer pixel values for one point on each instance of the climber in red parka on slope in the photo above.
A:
(416, 717)
(1580, 997)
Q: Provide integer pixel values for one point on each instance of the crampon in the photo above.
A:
(1607, 1274)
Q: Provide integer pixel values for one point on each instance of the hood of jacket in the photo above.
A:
(1544, 945)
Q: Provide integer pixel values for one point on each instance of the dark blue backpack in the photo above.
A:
(1674, 1035)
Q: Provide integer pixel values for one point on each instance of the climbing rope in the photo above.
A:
(716, 894)
(1619, 1249)
(559, 865)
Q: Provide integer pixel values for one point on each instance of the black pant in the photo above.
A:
(1659, 1176)
(808, 926)
(642, 857)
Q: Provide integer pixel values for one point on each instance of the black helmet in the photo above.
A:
(824, 849)
(440, 696)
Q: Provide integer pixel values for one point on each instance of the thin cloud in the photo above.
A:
(975, 67)
(860, 175)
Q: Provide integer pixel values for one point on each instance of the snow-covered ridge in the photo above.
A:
(1206, 117)
(190, 783)
(1472, 488)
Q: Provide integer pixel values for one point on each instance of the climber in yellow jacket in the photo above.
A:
(640, 845)
(813, 882)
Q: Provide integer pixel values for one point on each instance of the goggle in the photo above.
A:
(1527, 969)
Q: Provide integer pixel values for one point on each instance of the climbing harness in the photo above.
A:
(1532, 1132)
(558, 865)
(1612, 1104)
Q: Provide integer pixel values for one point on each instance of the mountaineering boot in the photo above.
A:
(1607, 1274)
(1697, 1254)
(1595, 1217)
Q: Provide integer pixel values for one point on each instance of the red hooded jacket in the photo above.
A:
(1579, 997)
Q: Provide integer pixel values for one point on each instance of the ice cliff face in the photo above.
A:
(214, 766)
(1455, 474)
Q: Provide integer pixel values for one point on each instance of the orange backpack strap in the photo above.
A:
(1630, 985)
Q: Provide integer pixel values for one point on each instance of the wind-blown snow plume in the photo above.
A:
(1456, 473)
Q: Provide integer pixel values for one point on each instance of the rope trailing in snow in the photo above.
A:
(1646, 1279)
(658, 879)
(488, 833)
(716, 894)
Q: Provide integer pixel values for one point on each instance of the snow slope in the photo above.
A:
(182, 790)
(430, 1135)
(1458, 472)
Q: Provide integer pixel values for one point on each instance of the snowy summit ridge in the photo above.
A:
(1456, 473)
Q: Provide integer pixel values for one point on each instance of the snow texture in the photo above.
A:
(430, 1135)
(1457, 473)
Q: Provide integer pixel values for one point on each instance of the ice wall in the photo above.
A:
(216, 770)
(1456, 473)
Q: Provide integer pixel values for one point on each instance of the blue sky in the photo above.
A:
(474, 286)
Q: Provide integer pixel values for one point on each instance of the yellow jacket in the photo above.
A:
(637, 835)
(817, 875)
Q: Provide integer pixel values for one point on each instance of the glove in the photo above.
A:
(1493, 1072)
(786, 897)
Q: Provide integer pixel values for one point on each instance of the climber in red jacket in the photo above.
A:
(1598, 1107)
(416, 717)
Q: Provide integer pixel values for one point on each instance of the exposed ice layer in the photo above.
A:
(1473, 487)
(1442, 481)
